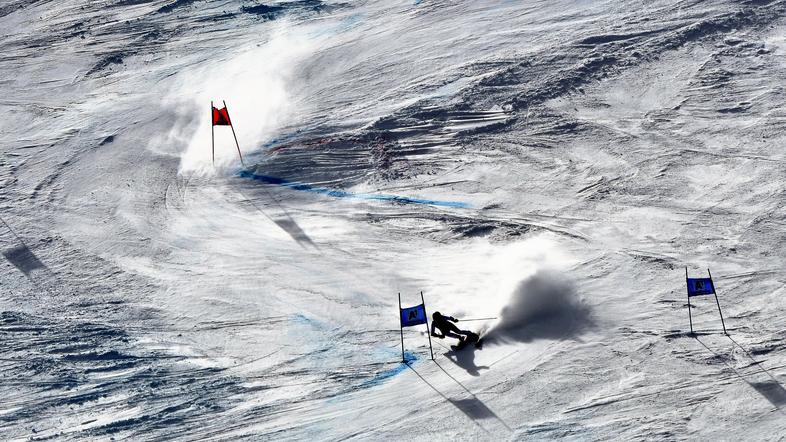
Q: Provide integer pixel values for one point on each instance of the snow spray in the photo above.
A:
(258, 81)
(542, 306)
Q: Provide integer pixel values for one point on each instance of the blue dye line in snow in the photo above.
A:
(335, 193)
(302, 319)
(382, 376)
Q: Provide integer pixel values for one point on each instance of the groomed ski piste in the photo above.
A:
(555, 164)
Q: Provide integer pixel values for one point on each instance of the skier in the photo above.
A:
(443, 323)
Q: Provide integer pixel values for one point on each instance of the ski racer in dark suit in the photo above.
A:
(445, 325)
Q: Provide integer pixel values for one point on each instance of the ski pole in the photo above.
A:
(475, 319)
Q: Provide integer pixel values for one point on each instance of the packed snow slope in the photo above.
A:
(556, 164)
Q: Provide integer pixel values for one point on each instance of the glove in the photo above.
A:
(453, 319)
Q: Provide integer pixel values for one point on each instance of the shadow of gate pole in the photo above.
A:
(20, 255)
(487, 412)
(772, 390)
(462, 406)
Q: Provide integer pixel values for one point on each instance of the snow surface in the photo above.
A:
(554, 163)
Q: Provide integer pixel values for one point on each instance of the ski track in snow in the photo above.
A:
(453, 147)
